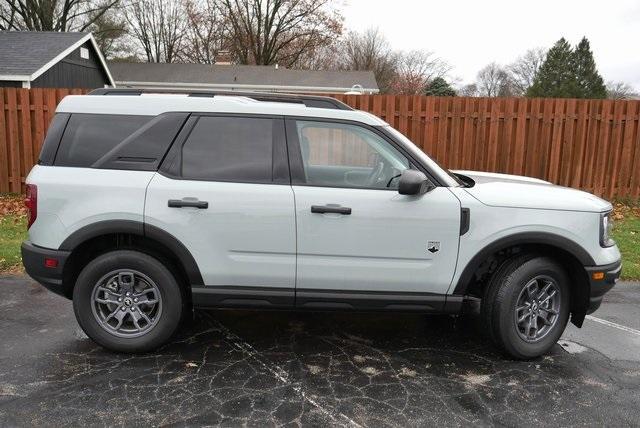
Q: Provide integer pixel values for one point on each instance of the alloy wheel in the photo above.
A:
(126, 303)
(537, 309)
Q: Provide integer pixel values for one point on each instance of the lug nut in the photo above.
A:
(135, 300)
(119, 299)
(124, 309)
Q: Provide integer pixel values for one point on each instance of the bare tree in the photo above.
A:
(620, 91)
(52, 15)
(370, 50)
(205, 33)
(524, 70)
(494, 81)
(415, 70)
(269, 32)
(470, 90)
(110, 31)
(158, 27)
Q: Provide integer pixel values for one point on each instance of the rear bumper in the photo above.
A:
(33, 259)
(599, 287)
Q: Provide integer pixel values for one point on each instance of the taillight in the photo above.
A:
(31, 202)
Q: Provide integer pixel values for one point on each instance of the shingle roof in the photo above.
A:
(240, 75)
(25, 52)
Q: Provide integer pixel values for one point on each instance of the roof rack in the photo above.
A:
(307, 100)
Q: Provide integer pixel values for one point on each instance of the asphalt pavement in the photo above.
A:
(285, 368)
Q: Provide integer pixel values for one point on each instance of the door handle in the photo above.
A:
(188, 203)
(330, 209)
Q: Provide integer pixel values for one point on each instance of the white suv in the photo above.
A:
(145, 205)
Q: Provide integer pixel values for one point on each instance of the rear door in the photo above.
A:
(361, 243)
(224, 192)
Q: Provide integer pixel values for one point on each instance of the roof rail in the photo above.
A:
(307, 100)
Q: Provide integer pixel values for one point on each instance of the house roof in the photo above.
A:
(238, 76)
(25, 55)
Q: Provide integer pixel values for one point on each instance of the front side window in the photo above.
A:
(229, 149)
(344, 155)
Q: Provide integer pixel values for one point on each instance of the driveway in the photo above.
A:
(280, 368)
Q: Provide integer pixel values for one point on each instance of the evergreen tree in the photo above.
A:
(439, 87)
(589, 83)
(556, 77)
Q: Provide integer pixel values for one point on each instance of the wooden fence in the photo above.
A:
(588, 144)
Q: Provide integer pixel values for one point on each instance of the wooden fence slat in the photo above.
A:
(39, 124)
(492, 146)
(602, 152)
(519, 145)
(555, 141)
(595, 107)
(442, 141)
(479, 156)
(466, 139)
(416, 120)
(429, 124)
(615, 150)
(566, 150)
(4, 150)
(25, 133)
(12, 140)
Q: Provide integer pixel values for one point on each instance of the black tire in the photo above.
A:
(171, 301)
(501, 298)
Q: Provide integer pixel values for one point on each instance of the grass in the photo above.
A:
(13, 231)
(626, 233)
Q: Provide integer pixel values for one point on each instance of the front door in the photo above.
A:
(361, 243)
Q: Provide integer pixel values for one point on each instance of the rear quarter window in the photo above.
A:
(87, 137)
(52, 140)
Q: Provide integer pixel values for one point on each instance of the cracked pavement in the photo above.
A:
(285, 368)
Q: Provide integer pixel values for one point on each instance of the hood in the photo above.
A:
(514, 191)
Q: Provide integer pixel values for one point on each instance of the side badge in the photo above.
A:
(433, 246)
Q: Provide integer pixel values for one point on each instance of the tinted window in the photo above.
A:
(52, 140)
(343, 155)
(88, 137)
(229, 149)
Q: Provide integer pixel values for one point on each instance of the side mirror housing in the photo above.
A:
(414, 182)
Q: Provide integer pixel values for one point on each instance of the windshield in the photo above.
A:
(446, 176)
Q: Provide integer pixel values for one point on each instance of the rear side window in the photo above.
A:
(88, 137)
(52, 140)
(230, 149)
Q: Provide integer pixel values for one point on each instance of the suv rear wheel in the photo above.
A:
(127, 301)
(525, 308)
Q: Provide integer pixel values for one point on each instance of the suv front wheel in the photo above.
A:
(525, 308)
(127, 301)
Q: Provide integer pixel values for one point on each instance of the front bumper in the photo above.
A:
(609, 276)
(33, 259)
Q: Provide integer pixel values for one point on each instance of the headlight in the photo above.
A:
(606, 226)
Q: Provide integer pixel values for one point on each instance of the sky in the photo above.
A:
(470, 34)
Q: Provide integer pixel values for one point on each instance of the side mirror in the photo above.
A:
(414, 182)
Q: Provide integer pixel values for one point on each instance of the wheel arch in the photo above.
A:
(107, 235)
(571, 254)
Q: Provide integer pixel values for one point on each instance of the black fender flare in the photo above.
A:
(108, 227)
(524, 238)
